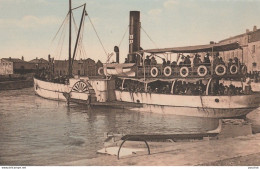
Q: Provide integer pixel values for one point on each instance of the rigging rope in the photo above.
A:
(123, 36)
(61, 26)
(62, 37)
(97, 35)
(151, 40)
(64, 34)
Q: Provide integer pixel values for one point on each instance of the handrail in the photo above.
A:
(128, 139)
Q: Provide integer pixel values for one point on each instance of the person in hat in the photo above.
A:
(187, 61)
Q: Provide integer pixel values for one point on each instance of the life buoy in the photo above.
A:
(167, 71)
(101, 71)
(233, 69)
(186, 73)
(154, 72)
(219, 72)
(244, 70)
(202, 70)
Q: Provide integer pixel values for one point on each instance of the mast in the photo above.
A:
(70, 63)
(79, 31)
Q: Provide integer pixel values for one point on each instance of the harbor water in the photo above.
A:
(36, 131)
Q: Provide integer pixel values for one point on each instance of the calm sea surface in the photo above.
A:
(36, 131)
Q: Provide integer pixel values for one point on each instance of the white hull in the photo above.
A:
(200, 106)
(77, 90)
(49, 90)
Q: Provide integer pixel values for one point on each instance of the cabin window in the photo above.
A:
(254, 64)
(253, 49)
(78, 72)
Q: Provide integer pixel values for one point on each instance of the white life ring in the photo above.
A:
(244, 70)
(186, 73)
(101, 71)
(231, 69)
(154, 74)
(205, 71)
(220, 73)
(167, 69)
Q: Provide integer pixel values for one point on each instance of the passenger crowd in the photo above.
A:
(48, 76)
(195, 61)
(182, 88)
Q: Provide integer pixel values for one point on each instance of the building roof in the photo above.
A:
(233, 37)
(240, 35)
(15, 60)
(41, 60)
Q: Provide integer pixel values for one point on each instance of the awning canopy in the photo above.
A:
(196, 49)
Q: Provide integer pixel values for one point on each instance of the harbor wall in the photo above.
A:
(16, 81)
(14, 85)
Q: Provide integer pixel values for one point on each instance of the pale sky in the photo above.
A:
(27, 27)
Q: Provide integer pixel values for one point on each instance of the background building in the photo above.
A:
(6, 67)
(250, 53)
(20, 66)
(86, 67)
(40, 63)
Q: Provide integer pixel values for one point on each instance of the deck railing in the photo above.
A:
(188, 71)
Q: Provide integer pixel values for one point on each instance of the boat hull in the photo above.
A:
(49, 90)
(77, 90)
(187, 105)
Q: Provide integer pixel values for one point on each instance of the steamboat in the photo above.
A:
(184, 84)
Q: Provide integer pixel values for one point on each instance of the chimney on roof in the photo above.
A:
(255, 28)
(22, 58)
(247, 30)
(49, 58)
(10, 58)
